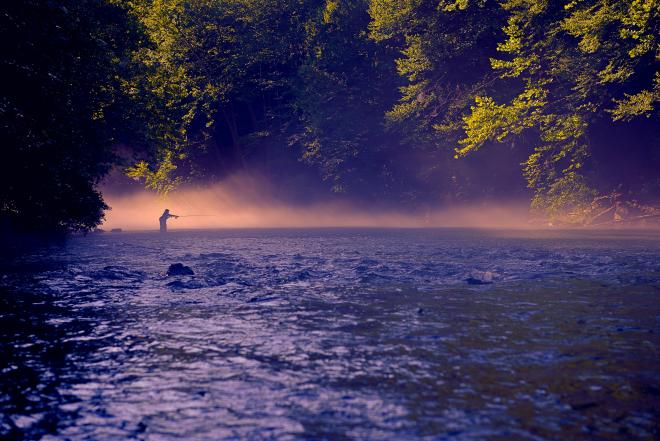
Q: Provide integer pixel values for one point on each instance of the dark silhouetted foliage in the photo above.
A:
(59, 97)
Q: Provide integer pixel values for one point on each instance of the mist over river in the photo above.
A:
(434, 334)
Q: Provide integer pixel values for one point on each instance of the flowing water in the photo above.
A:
(333, 334)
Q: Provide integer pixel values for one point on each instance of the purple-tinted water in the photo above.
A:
(334, 334)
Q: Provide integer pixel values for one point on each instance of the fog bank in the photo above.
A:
(245, 203)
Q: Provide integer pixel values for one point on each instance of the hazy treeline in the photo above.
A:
(408, 102)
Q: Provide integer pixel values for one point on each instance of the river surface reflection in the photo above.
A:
(333, 334)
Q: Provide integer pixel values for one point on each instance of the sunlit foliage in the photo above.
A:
(556, 68)
(203, 63)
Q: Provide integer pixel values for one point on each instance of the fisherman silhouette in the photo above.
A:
(163, 220)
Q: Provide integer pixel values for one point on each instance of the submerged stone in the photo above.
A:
(258, 299)
(179, 269)
(473, 281)
(178, 285)
(480, 278)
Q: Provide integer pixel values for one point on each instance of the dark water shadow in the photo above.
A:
(35, 362)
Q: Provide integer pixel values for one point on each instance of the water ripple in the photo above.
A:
(333, 335)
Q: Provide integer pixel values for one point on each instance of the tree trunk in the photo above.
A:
(253, 118)
(230, 119)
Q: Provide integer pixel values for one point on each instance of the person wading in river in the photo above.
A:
(163, 220)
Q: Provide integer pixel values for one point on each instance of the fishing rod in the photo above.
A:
(198, 215)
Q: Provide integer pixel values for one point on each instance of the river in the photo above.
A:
(438, 334)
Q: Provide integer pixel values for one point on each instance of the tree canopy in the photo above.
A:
(537, 73)
(60, 112)
(414, 102)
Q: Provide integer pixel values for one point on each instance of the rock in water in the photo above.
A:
(473, 281)
(480, 278)
(179, 269)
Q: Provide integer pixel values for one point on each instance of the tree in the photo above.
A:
(561, 68)
(60, 111)
(343, 86)
(212, 72)
(577, 62)
(443, 58)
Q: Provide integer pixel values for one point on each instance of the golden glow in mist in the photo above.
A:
(241, 203)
